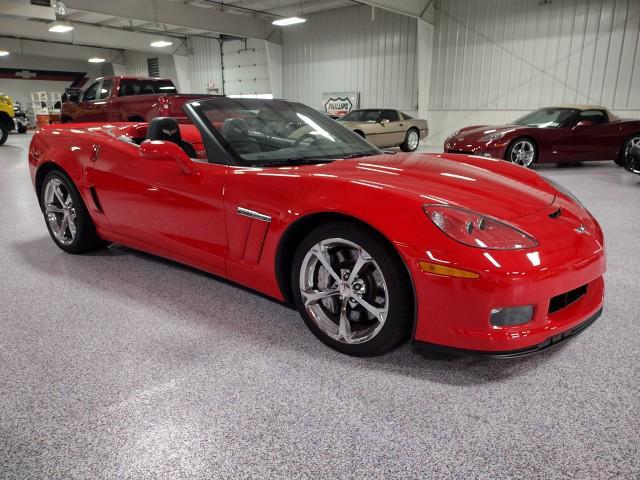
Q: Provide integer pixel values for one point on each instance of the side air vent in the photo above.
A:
(556, 214)
(96, 200)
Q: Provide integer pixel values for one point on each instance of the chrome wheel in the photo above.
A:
(60, 211)
(412, 140)
(633, 142)
(344, 291)
(523, 153)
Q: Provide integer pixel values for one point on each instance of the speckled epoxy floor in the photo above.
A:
(121, 365)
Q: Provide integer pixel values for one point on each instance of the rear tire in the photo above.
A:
(626, 148)
(411, 140)
(368, 312)
(66, 215)
(22, 128)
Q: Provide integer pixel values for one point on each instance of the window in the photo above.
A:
(362, 116)
(105, 89)
(547, 117)
(90, 93)
(153, 67)
(391, 115)
(406, 117)
(596, 117)
(145, 87)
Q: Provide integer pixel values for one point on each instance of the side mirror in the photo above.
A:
(583, 123)
(160, 150)
(384, 121)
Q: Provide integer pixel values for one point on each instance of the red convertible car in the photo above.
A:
(572, 133)
(371, 248)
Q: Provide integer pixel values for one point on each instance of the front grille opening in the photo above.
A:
(565, 299)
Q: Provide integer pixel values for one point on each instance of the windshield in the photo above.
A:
(362, 116)
(547, 117)
(261, 132)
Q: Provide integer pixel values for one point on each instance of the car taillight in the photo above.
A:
(477, 230)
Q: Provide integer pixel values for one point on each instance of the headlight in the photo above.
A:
(477, 230)
(563, 190)
(496, 136)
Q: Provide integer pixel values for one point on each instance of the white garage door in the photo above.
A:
(245, 68)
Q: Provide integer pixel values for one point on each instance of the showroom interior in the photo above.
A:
(129, 361)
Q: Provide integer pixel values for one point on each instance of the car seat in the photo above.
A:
(236, 132)
(167, 129)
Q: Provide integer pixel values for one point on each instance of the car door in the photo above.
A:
(87, 103)
(156, 203)
(393, 127)
(100, 110)
(592, 137)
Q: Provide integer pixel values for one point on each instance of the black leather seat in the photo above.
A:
(236, 132)
(167, 129)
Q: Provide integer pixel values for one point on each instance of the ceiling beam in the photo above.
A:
(179, 14)
(420, 9)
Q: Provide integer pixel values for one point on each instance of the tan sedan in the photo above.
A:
(387, 128)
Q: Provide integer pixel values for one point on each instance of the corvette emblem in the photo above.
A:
(582, 230)
(170, 132)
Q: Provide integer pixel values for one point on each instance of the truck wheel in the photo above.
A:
(22, 128)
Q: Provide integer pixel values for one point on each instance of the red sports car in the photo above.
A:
(573, 133)
(372, 248)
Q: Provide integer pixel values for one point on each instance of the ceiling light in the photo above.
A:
(4, 53)
(161, 43)
(96, 60)
(283, 22)
(60, 27)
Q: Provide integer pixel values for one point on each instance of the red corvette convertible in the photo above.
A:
(372, 248)
(555, 134)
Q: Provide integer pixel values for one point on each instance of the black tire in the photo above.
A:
(405, 146)
(399, 320)
(22, 128)
(66, 119)
(621, 160)
(515, 143)
(86, 238)
(4, 133)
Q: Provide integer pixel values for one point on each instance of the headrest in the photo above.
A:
(232, 128)
(164, 128)
(268, 115)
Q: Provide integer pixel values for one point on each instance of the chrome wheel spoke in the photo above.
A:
(378, 313)
(314, 296)
(319, 254)
(344, 328)
(63, 227)
(58, 193)
(363, 259)
(51, 208)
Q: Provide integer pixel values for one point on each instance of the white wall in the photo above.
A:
(496, 59)
(136, 64)
(205, 65)
(345, 50)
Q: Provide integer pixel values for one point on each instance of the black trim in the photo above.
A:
(548, 343)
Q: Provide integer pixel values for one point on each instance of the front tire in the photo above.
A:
(352, 290)
(411, 141)
(66, 215)
(522, 151)
(4, 133)
(626, 148)
(22, 128)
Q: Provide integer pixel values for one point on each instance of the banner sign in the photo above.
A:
(340, 103)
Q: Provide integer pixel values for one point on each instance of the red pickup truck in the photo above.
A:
(126, 99)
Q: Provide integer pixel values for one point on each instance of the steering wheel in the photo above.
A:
(300, 139)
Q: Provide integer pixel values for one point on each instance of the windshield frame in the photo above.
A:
(198, 107)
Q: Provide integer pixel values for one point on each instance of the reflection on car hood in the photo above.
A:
(474, 133)
(490, 186)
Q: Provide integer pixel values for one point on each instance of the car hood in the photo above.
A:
(481, 131)
(488, 186)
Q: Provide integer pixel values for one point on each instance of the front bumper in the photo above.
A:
(454, 313)
(483, 149)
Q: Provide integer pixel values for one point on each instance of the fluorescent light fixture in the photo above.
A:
(60, 27)
(283, 22)
(96, 60)
(161, 43)
(4, 53)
